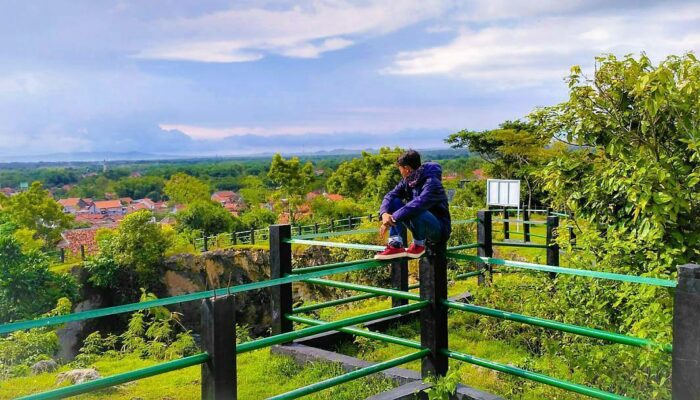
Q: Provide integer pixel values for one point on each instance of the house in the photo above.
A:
(226, 196)
(73, 205)
(137, 207)
(109, 207)
(73, 239)
(146, 202)
(126, 200)
(7, 191)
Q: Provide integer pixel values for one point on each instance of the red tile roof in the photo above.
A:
(334, 197)
(74, 238)
(108, 204)
(70, 202)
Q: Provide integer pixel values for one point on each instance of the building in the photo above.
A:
(109, 207)
(73, 205)
(226, 197)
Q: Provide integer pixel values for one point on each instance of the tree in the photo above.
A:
(513, 151)
(293, 179)
(368, 177)
(208, 217)
(184, 189)
(258, 218)
(35, 209)
(140, 187)
(325, 209)
(27, 287)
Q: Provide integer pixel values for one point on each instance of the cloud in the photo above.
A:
(304, 30)
(538, 50)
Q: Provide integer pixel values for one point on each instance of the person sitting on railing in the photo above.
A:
(419, 202)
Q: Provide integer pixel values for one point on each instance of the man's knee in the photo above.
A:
(395, 204)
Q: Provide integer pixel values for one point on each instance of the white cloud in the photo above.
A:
(533, 51)
(303, 31)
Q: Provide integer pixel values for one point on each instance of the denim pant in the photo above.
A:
(424, 226)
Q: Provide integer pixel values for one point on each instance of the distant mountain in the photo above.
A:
(88, 156)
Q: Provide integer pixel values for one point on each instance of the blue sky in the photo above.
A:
(225, 78)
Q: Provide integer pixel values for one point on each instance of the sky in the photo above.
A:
(241, 77)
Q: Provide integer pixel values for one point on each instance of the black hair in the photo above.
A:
(410, 158)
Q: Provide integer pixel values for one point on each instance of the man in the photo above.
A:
(420, 203)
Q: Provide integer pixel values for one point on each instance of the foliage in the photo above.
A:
(27, 239)
(35, 209)
(443, 387)
(184, 189)
(513, 151)
(293, 180)
(27, 286)
(131, 255)
(368, 177)
(208, 217)
(21, 349)
(140, 187)
(258, 218)
(324, 209)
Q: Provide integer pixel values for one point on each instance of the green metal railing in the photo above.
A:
(568, 271)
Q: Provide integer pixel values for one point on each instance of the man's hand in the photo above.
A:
(387, 221)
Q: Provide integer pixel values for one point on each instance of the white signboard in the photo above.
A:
(503, 192)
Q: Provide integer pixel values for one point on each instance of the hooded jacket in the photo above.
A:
(422, 191)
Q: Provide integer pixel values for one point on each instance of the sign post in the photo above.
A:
(504, 193)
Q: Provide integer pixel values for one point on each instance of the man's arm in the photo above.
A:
(397, 192)
(433, 192)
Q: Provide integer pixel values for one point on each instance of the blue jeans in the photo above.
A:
(424, 226)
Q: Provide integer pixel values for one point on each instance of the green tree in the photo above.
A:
(513, 151)
(368, 177)
(293, 180)
(138, 245)
(140, 187)
(27, 287)
(208, 217)
(184, 189)
(258, 218)
(324, 209)
(35, 209)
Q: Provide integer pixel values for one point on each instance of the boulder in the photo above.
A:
(44, 366)
(78, 375)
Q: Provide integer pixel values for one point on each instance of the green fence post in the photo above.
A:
(316, 228)
(485, 240)
(82, 252)
(686, 331)
(552, 246)
(63, 255)
(234, 238)
(281, 265)
(399, 273)
(252, 235)
(219, 341)
(506, 225)
(432, 270)
(526, 226)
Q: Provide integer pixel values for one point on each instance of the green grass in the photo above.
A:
(260, 375)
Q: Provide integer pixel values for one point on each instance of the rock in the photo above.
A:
(78, 375)
(44, 366)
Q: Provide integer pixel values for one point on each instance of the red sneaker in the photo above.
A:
(390, 253)
(415, 251)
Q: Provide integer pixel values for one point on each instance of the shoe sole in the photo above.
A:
(390, 257)
(411, 255)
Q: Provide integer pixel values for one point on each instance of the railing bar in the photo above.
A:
(102, 312)
(533, 376)
(363, 288)
(358, 373)
(118, 379)
(560, 326)
(568, 271)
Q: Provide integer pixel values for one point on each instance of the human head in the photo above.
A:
(408, 162)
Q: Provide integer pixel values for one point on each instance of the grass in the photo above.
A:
(260, 375)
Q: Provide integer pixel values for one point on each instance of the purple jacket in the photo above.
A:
(422, 192)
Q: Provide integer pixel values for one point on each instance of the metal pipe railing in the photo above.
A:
(559, 326)
(533, 376)
(358, 373)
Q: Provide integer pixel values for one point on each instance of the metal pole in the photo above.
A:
(206, 243)
(316, 227)
(552, 246)
(82, 252)
(63, 255)
(686, 331)
(485, 240)
(506, 225)
(526, 226)
(252, 236)
(219, 341)
(399, 273)
(281, 265)
(433, 318)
